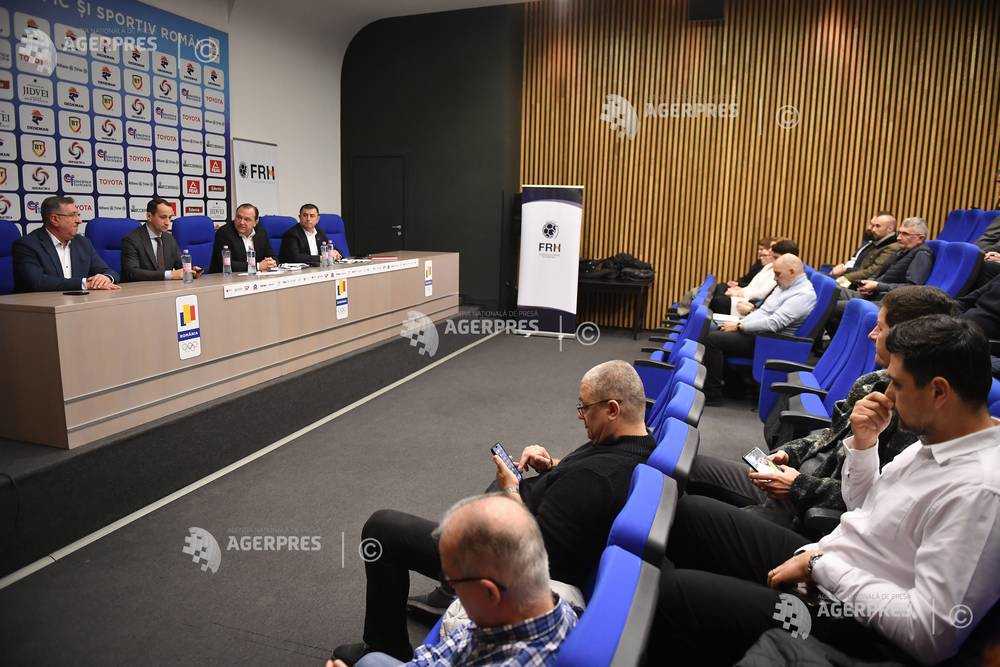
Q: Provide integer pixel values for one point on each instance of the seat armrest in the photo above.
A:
(791, 389)
(788, 337)
(803, 420)
(653, 364)
(820, 521)
(668, 330)
(786, 366)
(661, 339)
(649, 350)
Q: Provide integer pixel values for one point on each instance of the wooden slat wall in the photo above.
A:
(898, 109)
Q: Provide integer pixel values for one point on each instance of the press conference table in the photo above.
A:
(79, 369)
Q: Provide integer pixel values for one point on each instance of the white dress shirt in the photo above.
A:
(311, 240)
(784, 310)
(921, 537)
(248, 242)
(153, 240)
(65, 258)
(759, 287)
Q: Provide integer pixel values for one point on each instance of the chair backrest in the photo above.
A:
(841, 344)
(335, 229)
(826, 299)
(197, 234)
(686, 404)
(675, 450)
(9, 232)
(957, 226)
(276, 226)
(642, 525)
(615, 626)
(106, 234)
(980, 222)
(956, 266)
(32, 226)
(859, 359)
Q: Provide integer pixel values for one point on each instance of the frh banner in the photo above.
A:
(111, 102)
(256, 175)
(551, 217)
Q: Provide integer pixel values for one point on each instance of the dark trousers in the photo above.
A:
(721, 304)
(727, 481)
(718, 345)
(714, 602)
(406, 544)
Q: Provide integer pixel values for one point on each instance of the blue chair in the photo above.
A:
(643, 524)
(9, 232)
(957, 226)
(197, 234)
(106, 235)
(335, 229)
(695, 327)
(275, 227)
(956, 266)
(675, 450)
(686, 404)
(688, 371)
(789, 377)
(615, 626)
(797, 347)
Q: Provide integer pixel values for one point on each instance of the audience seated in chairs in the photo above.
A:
(740, 301)
(922, 535)
(874, 255)
(811, 466)
(782, 311)
(911, 265)
(982, 306)
(492, 553)
(574, 499)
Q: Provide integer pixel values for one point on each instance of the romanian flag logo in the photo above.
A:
(188, 314)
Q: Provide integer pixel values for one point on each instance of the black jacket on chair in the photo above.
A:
(227, 235)
(295, 246)
(139, 257)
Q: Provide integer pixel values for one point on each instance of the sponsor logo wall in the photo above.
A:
(111, 104)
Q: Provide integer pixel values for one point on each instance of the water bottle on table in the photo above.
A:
(227, 262)
(251, 262)
(186, 265)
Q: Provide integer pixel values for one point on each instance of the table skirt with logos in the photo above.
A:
(84, 368)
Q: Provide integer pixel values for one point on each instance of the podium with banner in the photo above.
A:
(551, 219)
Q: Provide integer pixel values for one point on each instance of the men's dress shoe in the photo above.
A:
(432, 604)
(351, 653)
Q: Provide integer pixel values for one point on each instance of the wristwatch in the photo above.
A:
(812, 563)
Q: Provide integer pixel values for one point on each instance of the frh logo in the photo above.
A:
(253, 172)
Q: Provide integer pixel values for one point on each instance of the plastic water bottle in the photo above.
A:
(186, 264)
(324, 254)
(227, 262)
(251, 262)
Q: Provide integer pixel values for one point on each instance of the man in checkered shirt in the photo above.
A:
(493, 555)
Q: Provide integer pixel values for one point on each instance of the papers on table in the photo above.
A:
(292, 266)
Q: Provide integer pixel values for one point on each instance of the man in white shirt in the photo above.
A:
(915, 564)
(54, 258)
(741, 301)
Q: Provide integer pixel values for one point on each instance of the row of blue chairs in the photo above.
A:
(194, 232)
(621, 598)
(966, 224)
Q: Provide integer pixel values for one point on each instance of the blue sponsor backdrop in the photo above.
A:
(110, 102)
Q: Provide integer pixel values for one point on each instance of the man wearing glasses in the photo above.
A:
(493, 555)
(574, 499)
(54, 259)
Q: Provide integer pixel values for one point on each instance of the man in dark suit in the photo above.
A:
(239, 235)
(54, 259)
(150, 252)
(300, 244)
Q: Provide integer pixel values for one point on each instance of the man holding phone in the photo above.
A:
(574, 500)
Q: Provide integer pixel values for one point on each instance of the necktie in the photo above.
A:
(159, 252)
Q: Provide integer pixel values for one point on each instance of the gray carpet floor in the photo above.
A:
(133, 596)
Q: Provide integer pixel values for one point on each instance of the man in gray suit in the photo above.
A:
(150, 252)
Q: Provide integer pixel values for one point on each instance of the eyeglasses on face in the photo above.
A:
(452, 582)
(582, 407)
(75, 214)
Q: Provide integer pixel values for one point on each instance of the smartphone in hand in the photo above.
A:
(499, 450)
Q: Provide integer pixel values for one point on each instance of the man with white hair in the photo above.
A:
(493, 554)
(574, 500)
(911, 266)
(782, 312)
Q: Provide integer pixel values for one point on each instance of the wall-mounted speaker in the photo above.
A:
(705, 10)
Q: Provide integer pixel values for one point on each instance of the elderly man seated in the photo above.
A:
(782, 312)
(574, 499)
(493, 554)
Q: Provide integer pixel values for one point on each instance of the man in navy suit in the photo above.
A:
(301, 242)
(54, 259)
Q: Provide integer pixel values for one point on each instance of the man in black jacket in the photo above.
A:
(574, 500)
(300, 244)
(151, 251)
(982, 306)
(239, 235)
(911, 266)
